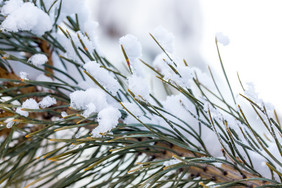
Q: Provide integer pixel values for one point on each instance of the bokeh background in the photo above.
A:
(253, 27)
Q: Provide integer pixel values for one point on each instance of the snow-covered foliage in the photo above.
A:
(25, 17)
(80, 99)
(103, 76)
(132, 47)
(194, 115)
(165, 38)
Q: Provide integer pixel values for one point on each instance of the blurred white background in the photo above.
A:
(254, 28)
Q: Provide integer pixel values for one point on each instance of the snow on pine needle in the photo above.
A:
(165, 38)
(102, 76)
(107, 119)
(47, 102)
(25, 17)
(27, 104)
(221, 38)
(38, 59)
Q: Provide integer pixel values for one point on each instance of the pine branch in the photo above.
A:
(151, 142)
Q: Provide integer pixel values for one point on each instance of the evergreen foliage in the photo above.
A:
(55, 146)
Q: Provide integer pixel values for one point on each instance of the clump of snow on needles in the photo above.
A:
(107, 119)
(90, 109)
(164, 38)
(25, 17)
(139, 87)
(47, 101)
(132, 47)
(102, 76)
(11, 6)
(91, 28)
(81, 99)
(28, 104)
(221, 38)
(133, 50)
(38, 59)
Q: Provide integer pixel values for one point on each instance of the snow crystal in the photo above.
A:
(28, 104)
(221, 38)
(164, 38)
(25, 17)
(131, 46)
(102, 76)
(38, 59)
(139, 87)
(24, 75)
(47, 101)
(80, 99)
(107, 119)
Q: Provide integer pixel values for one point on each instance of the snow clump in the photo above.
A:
(38, 59)
(47, 101)
(25, 17)
(107, 119)
(221, 38)
(90, 110)
(80, 99)
(139, 87)
(28, 104)
(164, 38)
(102, 76)
(131, 46)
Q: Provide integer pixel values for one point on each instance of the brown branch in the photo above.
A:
(46, 48)
(226, 173)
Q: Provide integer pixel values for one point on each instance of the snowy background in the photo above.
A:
(253, 27)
